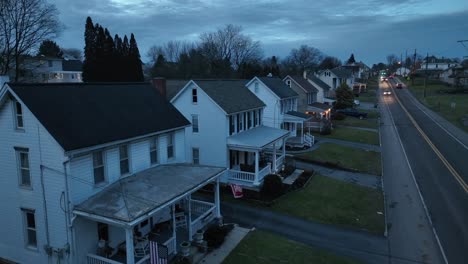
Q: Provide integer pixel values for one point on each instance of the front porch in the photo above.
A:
(255, 153)
(124, 232)
(296, 123)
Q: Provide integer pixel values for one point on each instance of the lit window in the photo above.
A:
(22, 155)
(194, 96)
(98, 165)
(124, 164)
(196, 156)
(154, 150)
(195, 123)
(19, 116)
(30, 228)
(170, 145)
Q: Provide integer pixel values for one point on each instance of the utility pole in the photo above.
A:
(406, 58)
(401, 61)
(414, 68)
(425, 78)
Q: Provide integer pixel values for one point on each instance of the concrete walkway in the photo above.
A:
(348, 143)
(363, 246)
(232, 240)
(361, 179)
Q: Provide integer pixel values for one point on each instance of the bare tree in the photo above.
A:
(392, 59)
(170, 50)
(304, 58)
(24, 24)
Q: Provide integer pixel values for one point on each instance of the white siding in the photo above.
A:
(213, 127)
(86, 239)
(13, 198)
(272, 112)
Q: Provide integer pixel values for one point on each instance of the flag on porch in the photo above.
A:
(237, 191)
(159, 254)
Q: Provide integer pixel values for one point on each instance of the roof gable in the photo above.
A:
(80, 115)
(319, 82)
(341, 72)
(303, 83)
(277, 86)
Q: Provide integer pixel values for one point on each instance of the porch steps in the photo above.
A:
(293, 177)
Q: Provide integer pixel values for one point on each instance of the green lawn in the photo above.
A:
(336, 202)
(263, 247)
(440, 102)
(351, 134)
(369, 97)
(348, 157)
(356, 122)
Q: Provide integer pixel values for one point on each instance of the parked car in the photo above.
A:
(352, 112)
(399, 85)
(357, 103)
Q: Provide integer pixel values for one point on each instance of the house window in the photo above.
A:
(196, 156)
(144, 223)
(19, 115)
(98, 165)
(195, 123)
(170, 145)
(23, 166)
(154, 150)
(437, 66)
(50, 63)
(259, 116)
(249, 119)
(124, 164)
(288, 82)
(256, 87)
(29, 228)
(240, 119)
(255, 118)
(103, 231)
(73, 76)
(194, 96)
(232, 126)
(246, 123)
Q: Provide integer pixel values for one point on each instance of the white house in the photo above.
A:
(403, 71)
(434, 63)
(227, 129)
(281, 107)
(322, 88)
(307, 91)
(90, 172)
(50, 70)
(336, 76)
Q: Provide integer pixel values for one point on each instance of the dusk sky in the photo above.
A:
(370, 29)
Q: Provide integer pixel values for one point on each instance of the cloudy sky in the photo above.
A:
(371, 29)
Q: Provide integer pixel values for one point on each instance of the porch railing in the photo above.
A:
(242, 175)
(309, 139)
(171, 245)
(279, 162)
(95, 259)
(264, 172)
(202, 209)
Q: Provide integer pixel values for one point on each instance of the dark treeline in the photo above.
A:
(110, 59)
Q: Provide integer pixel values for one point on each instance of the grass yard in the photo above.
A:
(356, 122)
(263, 247)
(335, 202)
(351, 134)
(348, 157)
(369, 97)
(440, 102)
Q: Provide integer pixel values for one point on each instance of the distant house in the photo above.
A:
(456, 75)
(307, 91)
(434, 63)
(336, 76)
(42, 69)
(403, 71)
(91, 172)
(325, 93)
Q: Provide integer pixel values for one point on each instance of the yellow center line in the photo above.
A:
(434, 148)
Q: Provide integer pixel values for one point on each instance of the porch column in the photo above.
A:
(274, 158)
(129, 245)
(284, 148)
(217, 200)
(302, 132)
(190, 217)
(256, 167)
(174, 234)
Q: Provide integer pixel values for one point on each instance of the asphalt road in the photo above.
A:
(444, 196)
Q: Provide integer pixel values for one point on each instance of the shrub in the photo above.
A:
(338, 116)
(272, 186)
(216, 234)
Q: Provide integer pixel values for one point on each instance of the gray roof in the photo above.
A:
(257, 138)
(319, 82)
(133, 196)
(173, 87)
(278, 87)
(320, 106)
(298, 114)
(341, 72)
(231, 95)
(72, 65)
(304, 84)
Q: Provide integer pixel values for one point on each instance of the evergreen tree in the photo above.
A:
(351, 59)
(89, 67)
(135, 66)
(49, 48)
(275, 70)
(344, 97)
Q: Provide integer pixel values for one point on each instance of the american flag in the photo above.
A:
(158, 253)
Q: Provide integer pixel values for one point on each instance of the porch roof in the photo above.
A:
(146, 191)
(257, 138)
(294, 116)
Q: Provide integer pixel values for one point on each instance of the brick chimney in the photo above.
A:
(159, 83)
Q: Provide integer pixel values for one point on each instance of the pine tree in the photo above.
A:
(135, 67)
(89, 51)
(351, 59)
(49, 48)
(108, 58)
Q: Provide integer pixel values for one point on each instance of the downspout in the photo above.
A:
(67, 209)
(44, 201)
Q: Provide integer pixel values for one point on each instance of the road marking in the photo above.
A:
(443, 128)
(417, 186)
(434, 148)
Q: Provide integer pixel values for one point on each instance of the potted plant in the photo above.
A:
(185, 248)
(199, 235)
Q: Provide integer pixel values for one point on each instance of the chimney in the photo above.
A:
(304, 74)
(159, 83)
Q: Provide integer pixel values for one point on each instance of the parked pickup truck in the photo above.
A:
(352, 112)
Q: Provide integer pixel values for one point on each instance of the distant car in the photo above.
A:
(387, 93)
(399, 85)
(352, 112)
(357, 103)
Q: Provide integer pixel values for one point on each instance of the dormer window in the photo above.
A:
(194, 96)
(256, 87)
(19, 116)
(288, 82)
